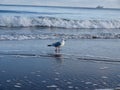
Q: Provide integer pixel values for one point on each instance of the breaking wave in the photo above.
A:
(36, 21)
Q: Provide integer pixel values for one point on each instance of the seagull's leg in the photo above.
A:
(56, 49)
(59, 49)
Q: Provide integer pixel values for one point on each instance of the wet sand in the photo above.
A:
(85, 64)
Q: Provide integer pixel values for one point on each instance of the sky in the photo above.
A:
(73, 3)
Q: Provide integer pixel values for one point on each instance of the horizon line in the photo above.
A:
(26, 5)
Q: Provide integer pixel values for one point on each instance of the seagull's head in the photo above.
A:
(62, 42)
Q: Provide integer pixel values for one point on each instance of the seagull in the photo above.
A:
(58, 44)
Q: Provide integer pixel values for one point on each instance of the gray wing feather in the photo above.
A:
(57, 44)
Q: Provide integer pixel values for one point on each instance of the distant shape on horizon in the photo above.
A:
(100, 7)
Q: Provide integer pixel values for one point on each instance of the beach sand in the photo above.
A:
(84, 64)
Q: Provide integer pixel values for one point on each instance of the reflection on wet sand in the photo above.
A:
(58, 57)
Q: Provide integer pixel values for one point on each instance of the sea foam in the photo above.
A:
(37, 21)
(57, 36)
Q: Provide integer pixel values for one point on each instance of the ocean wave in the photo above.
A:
(35, 21)
(57, 36)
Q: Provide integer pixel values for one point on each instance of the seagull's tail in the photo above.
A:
(49, 45)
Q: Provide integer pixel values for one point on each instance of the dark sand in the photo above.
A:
(81, 65)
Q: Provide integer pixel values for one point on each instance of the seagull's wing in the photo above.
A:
(57, 44)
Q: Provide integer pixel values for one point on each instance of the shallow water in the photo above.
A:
(81, 65)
